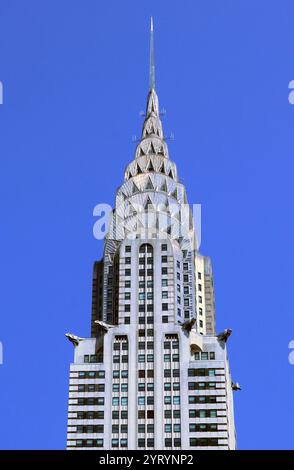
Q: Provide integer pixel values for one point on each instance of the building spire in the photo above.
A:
(152, 66)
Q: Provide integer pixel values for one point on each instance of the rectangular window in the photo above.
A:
(167, 386)
(141, 401)
(167, 400)
(115, 401)
(164, 247)
(128, 249)
(163, 270)
(199, 275)
(164, 307)
(164, 259)
(199, 287)
(124, 374)
(127, 308)
(176, 400)
(167, 428)
(164, 282)
(167, 414)
(128, 260)
(127, 295)
(141, 442)
(127, 272)
(141, 428)
(127, 320)
(212, 355)
(165, 319)
(114, 442)
(204, 355)
(164, 294)
(124, 401)
(177, 428)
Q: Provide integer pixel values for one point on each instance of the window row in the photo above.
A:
(123, 401)
(148, 345)
(201, 399)
(169, 344)
(89, 443)
(90, 374)
(123, 387)
(142, 442)
(91, 388)
(202, 413)
(142, 428)
(149, 387)
(169, 428)
(116, 429)
(201, 385)
(201, 372)
(121, 443)
(209, 427)
(93, 358)
(176, 400)
(204, 356)
(145, 400)
(168, 442)
(90, 415)
(120, 345)
(123, 374)
(142, 333)
(91, 401)
(90, 429)
(171, 357)
(118, 358)
(203, 442)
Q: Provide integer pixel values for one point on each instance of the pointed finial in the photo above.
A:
(152, 66)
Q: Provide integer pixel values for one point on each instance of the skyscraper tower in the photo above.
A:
(154, 374)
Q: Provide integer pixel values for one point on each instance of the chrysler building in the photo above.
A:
(154, 374)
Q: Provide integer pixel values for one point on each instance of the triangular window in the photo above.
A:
(149, 184)
(135, 189)
(150, 166)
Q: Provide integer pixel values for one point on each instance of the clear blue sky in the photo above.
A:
(75, 76)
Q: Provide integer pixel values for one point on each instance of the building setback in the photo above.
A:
(154, 374)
